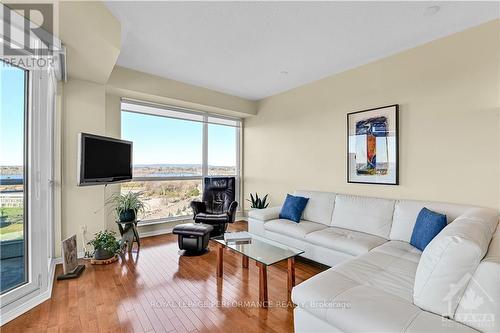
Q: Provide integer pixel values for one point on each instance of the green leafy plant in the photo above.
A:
(106, 240)
(127, 202)
(258, 202)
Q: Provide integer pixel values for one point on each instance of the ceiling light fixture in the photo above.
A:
(431, 10)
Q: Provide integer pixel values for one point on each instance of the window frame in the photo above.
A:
(38, 187)
(41, 108)
(26, 188)
(205, 116)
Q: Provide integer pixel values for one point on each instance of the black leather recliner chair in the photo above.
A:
(218, 205)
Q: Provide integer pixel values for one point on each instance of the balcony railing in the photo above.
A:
(11, 212)
(165, 199)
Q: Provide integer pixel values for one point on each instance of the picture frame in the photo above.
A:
(373, 146)
(69, 254)
(71, 269)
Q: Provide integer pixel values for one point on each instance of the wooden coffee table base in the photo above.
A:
(220, 259)
(291, 277)
(263, 299)
(244, 261)
(263, 294)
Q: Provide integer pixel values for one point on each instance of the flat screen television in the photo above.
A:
(103, 160)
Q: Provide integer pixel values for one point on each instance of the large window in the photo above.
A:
(222, 141)
(173, 150)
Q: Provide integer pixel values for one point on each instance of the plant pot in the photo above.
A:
(127, 215)
(102, 254)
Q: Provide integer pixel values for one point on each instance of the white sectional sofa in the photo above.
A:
(378, 281)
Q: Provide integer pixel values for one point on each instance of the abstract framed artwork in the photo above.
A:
(372, 146)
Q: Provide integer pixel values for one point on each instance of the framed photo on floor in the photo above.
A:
(372, 146)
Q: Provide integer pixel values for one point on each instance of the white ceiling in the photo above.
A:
(257, 49)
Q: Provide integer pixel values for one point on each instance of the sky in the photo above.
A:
(157, 140)
(11, 115)
(160, 140)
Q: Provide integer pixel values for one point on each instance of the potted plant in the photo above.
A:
(127, 205)
(105, 245)
(258, 203)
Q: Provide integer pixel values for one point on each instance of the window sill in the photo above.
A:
(165, 220)
(187, 218)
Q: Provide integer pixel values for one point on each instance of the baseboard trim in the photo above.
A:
(31, 303)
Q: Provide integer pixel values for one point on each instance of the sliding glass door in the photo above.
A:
(13, 177)
(28, 86)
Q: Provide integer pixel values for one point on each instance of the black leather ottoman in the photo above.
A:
(193, 237)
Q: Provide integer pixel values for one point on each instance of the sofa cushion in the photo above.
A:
(293, 207)
(428, 225)
(370, 293)
(402, 250)
(426, 322)
(344, 240)
(369, 215)
(390, 267)
(450, 259)
(292, 229)
(406, 212)
(296, 243)
(319, 209)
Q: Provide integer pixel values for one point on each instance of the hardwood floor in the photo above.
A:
(156, 290)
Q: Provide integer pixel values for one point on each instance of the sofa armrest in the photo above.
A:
(487, 216)
(484, 285)
(265, 214)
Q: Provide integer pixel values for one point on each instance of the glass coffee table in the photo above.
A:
(265, 253)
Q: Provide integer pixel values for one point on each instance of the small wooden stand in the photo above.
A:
(105, 261)
(129, 233)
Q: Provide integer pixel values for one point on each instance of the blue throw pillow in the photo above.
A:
(293, 207)
(428, 225)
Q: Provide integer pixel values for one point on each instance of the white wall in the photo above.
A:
(448, 91)
(112, 129)
(83, 111)
(133, 84)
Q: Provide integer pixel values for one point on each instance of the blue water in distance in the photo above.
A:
(20, 177)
